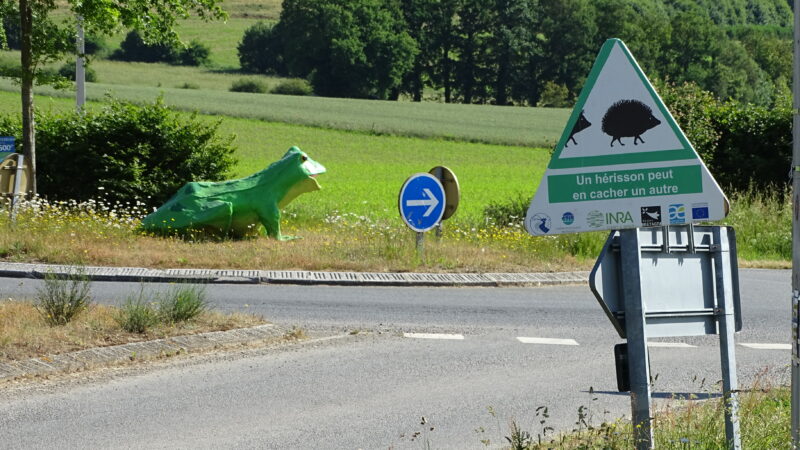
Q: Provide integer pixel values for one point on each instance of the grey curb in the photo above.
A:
(107, 356)
(304, 277)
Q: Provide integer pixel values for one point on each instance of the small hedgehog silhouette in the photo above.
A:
(628, 118)
(579, 126)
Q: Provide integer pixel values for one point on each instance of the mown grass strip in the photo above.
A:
(24, 333)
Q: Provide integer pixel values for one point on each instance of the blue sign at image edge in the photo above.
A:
(7, 144)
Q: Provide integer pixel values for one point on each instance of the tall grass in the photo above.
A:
(62, 298)
(764, 412)
(763, 224)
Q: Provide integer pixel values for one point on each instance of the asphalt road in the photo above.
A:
(371, 390)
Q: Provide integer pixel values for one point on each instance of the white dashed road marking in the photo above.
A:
(433, 336)
(670, 345)
(548, 341)
(768, 346)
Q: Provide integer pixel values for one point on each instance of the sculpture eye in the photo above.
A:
(304, 158)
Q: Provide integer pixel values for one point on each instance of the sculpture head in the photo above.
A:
(297, 173)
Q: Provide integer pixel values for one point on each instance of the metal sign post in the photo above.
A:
(638, 368)
(727, 327)
(796, 233)
(17, 187)
(676, 281)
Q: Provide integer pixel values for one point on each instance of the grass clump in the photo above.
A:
(183, 303)
(63, 297)
(294, 86)
(137, 315)
(252, 86)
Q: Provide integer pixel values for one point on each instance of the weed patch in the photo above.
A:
(63, 297)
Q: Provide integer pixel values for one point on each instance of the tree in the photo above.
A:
(642, 24)
(569, 43)
(260, 50)
(443, 41)
(692, 48)
(348, 48)
(512, 44)
(46, 36)
(473, 30)
(418, 17)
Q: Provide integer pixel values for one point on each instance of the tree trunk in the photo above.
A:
(26, 59)
(446, 74)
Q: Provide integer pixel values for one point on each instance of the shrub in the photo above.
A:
(260, 50)
(754, 147)
(555, 95)
(183, 303)
(187, 85)
(136, 314)
(743, 145)
(134, 48)
(127, 151)
(254, 86)
(63, 297)
(95, 46)
(509, 212)
(195, 54)
(68, 71)
(295, 86)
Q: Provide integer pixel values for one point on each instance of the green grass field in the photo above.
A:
(365, 172)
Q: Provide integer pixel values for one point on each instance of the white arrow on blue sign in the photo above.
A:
(421, 202)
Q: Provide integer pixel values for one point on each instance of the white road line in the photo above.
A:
(768, 346)
(670, 345)
(433, 336)
(548, 341)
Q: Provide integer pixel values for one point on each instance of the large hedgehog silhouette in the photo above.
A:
(628, 118)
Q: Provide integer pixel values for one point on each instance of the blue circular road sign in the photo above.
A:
(421, 201)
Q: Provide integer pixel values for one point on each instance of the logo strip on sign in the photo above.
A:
(622, 160)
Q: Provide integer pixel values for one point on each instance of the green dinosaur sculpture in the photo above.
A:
(239, 207)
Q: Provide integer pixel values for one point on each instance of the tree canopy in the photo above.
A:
(45, 37)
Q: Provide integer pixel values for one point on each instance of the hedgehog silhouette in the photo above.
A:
(579, 126)
(628, 118)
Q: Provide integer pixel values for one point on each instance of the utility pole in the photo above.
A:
(796, 231)
(80, 68)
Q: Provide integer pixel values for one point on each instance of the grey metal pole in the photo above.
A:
(80, 68)
(727, 328)
(796, 232)
(17, 187)
(439, 174)
(420, 243)
(638, 367)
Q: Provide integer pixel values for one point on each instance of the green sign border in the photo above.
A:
(687, 152)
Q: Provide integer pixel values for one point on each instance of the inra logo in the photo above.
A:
(619, 217)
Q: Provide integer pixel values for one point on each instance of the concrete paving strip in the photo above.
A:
(139, 274)
(108, 356)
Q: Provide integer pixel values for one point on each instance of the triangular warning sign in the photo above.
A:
(622, 161)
